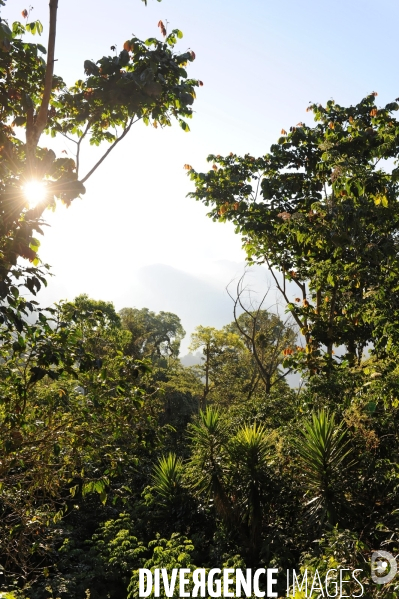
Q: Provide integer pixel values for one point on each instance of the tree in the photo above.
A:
(321, 210)
(242, 360)
(222, 359)
(146, 81)
(167, 478)
(266, 337)
(71, 419)
(230, 468)
(208, 469)
(155, 336)
(249, 452)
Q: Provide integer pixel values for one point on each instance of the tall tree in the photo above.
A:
(266, 337)
(154, 335)
(321, 210)
(222, 357)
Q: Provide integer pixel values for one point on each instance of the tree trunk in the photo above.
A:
(37, 123)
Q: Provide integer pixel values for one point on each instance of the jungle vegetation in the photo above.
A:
(113, 455)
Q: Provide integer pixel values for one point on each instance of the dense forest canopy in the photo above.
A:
(113, 455)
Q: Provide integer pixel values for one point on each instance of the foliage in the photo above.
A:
(320, 210)
(65, 377)
(221, 350)
(167, 478)
(341, 548)
(84, 509)
(119, 549)
(208, 437)
(323, 452)
(248, 452)
(155, 336)
(269, 340)
(146, 82)
(165, 553)
(112, 453)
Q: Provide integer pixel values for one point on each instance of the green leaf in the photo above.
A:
(151, 41)
(56, 449)
(5, 32)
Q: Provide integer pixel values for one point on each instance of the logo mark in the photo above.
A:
(383, 567)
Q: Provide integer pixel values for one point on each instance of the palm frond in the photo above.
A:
(167, 476)
(323, 451)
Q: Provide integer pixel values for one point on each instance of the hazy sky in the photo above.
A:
(135, 238)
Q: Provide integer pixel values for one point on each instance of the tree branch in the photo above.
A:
(41, 119)
(250, 337)
(78, 147)
(283, 292)
(35, 128)
(125, 132)
(69, 138)
(282, 376)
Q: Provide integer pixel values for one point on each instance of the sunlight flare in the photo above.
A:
(35, 192)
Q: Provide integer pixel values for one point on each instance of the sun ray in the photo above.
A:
(35, 192)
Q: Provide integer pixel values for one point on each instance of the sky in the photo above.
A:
(135, 238)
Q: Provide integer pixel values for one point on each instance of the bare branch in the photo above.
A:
(257, 188)
(104, 156)
(302, 287)
(282, 376)
(69, 138)
(78, 143)
(283, 292)
(267, 370)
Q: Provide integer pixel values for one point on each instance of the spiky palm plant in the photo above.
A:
(323, 452)
(207, 464)
(249, 451)
(254, 441)
(167, 477)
